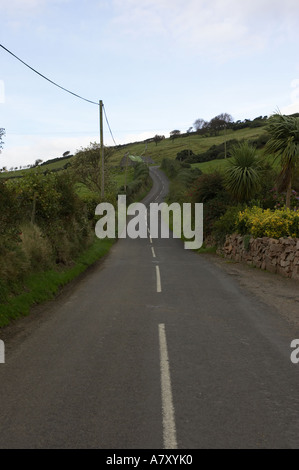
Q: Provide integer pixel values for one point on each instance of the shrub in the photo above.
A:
(207, 187)
(226, 225)
(266, 223)
(14, 264)
(260, 141)
(277, 200)
(10, 215)
(214, 152)
(171, 167)
(140, 182)
(243, 173)
(209, 190)
(36, 247)
(181, 156)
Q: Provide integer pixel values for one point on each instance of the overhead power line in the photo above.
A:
(109, 126)
(51, 81)
(61, 87)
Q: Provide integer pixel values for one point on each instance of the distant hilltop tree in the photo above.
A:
(201, 125)
(219, 122)
(215, 125)
(175, 133)
(158, 138)
(225, 121)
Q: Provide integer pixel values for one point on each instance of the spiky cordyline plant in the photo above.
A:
(284, 144)
(243, 175)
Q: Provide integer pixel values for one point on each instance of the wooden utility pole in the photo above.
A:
(102, 151)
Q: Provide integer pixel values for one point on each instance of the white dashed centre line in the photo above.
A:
(159, 287)
(169, 429)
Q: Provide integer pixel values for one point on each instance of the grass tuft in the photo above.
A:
(43, 286)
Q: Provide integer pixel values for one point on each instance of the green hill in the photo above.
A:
(167, 148)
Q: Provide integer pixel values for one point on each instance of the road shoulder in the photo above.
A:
(279, 293)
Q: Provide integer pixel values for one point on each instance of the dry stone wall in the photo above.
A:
(277, 256)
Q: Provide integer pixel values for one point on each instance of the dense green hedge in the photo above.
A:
(43, 223)
(141, 182)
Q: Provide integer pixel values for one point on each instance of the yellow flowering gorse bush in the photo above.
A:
(266, 223)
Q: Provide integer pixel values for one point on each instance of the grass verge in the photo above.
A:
(207, 249)
(39, 287)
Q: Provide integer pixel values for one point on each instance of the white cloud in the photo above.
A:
(295, 93)
(210, 27)
(291, 109)
(19, 8)
(294, 106)
(24, 150)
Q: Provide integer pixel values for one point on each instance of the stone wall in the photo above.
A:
(277, 256)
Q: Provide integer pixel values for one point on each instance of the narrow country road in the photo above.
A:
(155, 348)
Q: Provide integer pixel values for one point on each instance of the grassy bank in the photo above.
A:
(37, 262)
(39, 287)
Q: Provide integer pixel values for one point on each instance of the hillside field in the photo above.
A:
(167, 148)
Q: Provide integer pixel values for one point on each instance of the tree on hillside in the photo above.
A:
(87, 168)
(219, 123)
(243, 174)
(284, 144)
(2, 134)
(225, 118)
(158, 138)
(174, 134)
(200, 125)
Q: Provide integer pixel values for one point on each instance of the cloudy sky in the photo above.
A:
(158, 65)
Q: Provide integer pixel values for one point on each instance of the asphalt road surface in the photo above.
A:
(156, 347)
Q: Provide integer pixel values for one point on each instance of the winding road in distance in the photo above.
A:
(155, 347)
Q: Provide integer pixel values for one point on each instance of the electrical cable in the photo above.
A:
(109, 125)
(61, 87)
(51, 81)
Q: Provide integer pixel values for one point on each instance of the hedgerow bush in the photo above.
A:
(266, 223)
(43, 223)
(226, 224)
(209, 189)
(141, 181)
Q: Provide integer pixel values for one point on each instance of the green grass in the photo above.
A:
(213, 165)
(39, 287)
(120, 176)
(207, 249)
(165, 149)
(220, 165)
(169, 148)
